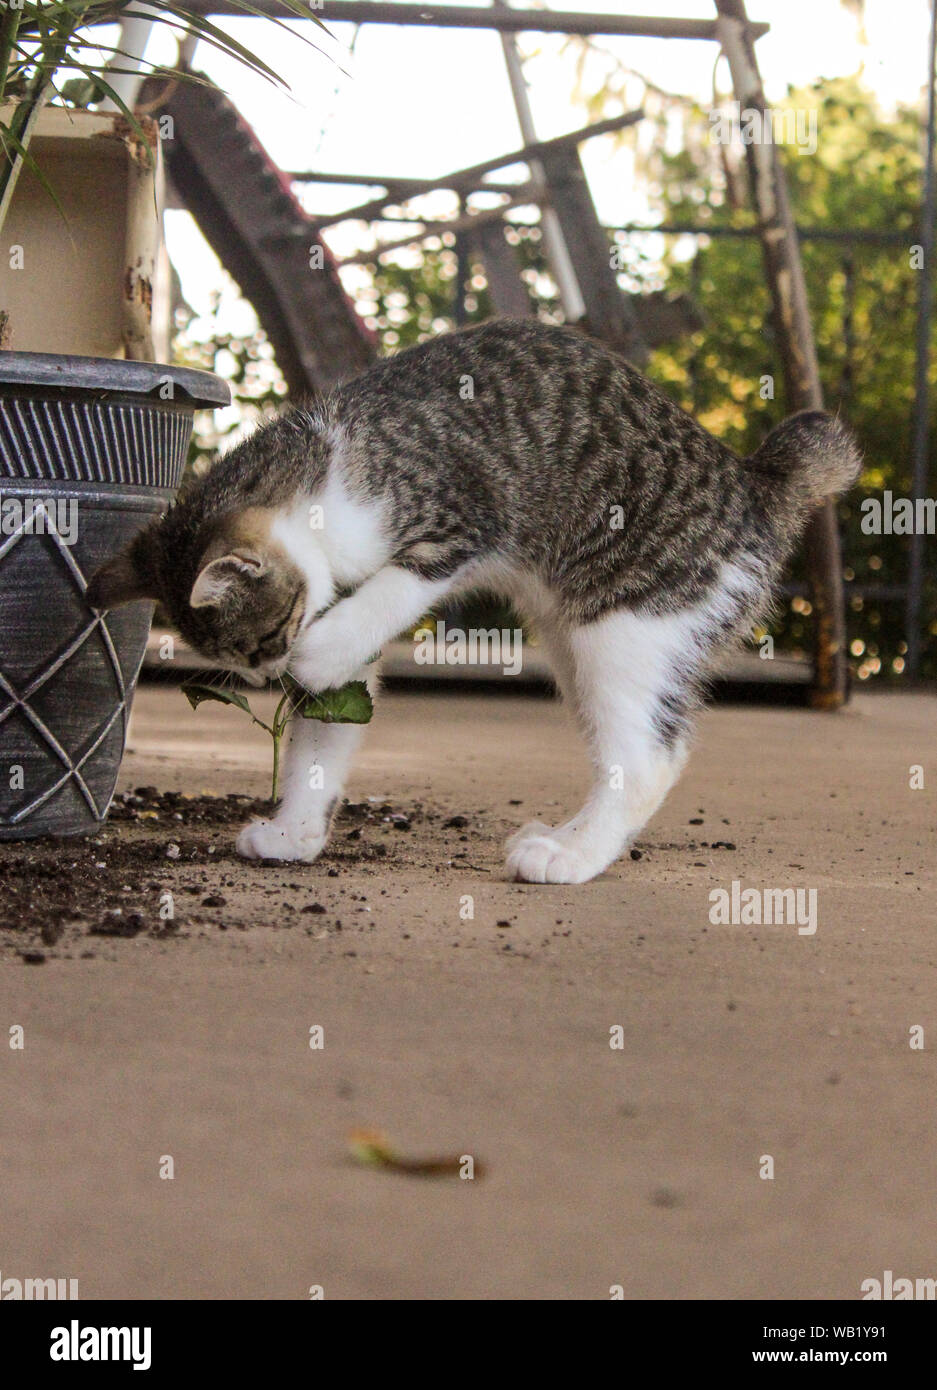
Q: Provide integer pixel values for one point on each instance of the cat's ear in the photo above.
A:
(121, 580)
(216, 578)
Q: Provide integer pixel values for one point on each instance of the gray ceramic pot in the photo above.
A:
(90, 450)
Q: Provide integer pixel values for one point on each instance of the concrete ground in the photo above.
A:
(637, 1166)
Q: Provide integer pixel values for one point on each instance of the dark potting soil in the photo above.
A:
(162, 862)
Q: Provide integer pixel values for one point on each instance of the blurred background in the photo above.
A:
(368, 110)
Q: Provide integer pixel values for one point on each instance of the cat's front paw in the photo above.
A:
(272, 839)
(537, 855)
(325, 658)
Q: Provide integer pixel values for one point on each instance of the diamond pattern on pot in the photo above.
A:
(65, 766)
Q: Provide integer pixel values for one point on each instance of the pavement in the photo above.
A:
(652, 1100)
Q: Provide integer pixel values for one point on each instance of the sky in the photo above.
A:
(417, 101)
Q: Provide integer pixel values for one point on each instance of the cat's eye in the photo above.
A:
(253, 657)
(274, 632)
(278, 630)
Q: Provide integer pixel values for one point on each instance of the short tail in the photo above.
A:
(806, 458)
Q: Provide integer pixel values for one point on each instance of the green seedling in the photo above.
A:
(349, 704)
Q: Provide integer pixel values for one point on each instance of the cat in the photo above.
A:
(514, 456)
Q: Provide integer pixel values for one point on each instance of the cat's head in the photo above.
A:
(229, 585)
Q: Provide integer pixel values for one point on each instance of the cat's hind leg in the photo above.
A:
(632, 680)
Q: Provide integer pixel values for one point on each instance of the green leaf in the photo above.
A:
(209, 33)
(350, 704)
(196, 694)
(80, 91)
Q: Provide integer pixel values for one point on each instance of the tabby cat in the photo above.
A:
(514, 457)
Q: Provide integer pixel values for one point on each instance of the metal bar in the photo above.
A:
(860, 235)
(555, 249)
(785, 276)
(919, 459)
(392, 183)
(609, 314)
(370, 211)
(464, 270)
(474, 17)
(453, 224)
(509, 294)
(404, 219)
(134, 36)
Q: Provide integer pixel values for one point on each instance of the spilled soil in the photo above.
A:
(165, 863)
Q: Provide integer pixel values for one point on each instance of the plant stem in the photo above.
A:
(276, 733)
(276, 766)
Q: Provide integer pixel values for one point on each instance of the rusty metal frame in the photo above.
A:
(783, 268)
(785, 275)
(477, 17)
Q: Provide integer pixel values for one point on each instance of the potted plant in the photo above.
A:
(91, 447)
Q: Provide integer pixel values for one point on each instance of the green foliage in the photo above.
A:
(349, 704)
(197, 694)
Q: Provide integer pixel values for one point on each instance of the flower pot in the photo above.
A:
(90, 450)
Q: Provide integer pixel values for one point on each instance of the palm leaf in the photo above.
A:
(44, 37)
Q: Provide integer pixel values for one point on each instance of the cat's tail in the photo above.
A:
(806, 458)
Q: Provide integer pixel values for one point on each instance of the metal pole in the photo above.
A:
(919, 458)
(785, 276)
(464, 271)
(554, 243)
(475, 17)
(392, 185)
(134, 35)
(371, 210)
(471, 222)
